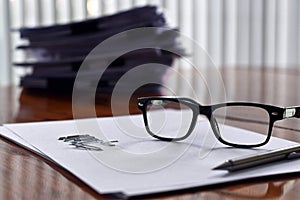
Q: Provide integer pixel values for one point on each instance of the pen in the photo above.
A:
(260, 159)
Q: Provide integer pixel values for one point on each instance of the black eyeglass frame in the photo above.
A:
(275, 114)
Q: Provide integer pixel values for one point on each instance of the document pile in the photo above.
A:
(55, 53)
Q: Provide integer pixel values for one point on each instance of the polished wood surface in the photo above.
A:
(25, 175)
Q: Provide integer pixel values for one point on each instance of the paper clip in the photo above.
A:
(85, 141)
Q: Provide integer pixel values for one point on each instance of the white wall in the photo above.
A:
(5, 65)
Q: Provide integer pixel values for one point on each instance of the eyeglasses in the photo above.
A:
(174, 119)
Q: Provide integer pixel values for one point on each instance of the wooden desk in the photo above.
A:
(25, 175)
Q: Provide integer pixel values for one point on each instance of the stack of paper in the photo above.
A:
(139, 164)
(55, 53)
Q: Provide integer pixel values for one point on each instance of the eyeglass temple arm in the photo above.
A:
(292, 112)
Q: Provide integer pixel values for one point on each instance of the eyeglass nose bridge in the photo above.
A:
(207, 111)
(215, 127)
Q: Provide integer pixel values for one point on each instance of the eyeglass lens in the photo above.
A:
(169, 119)
(246, 117)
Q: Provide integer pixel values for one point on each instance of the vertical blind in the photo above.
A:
(235, 33)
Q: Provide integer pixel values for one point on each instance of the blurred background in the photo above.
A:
(235, 33)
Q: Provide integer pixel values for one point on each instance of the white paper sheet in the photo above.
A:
(17, 139)
(140, 164)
